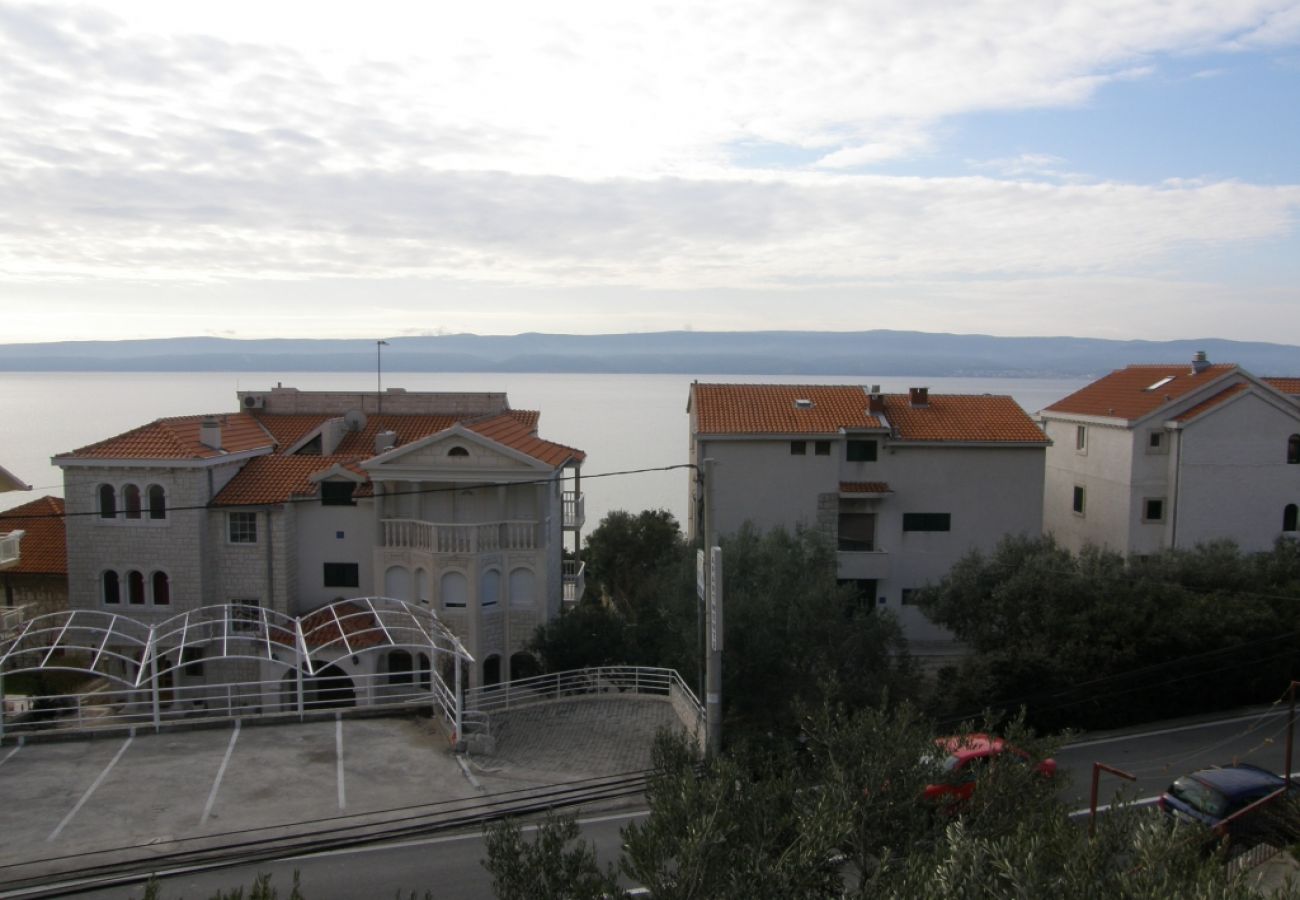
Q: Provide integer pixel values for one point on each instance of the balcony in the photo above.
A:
(460, 538)
(575, 512)
(862, 564)
(575, 581)
(10, 548)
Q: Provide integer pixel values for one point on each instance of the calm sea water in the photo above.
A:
(623, 422)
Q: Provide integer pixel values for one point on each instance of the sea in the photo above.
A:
(629, 425)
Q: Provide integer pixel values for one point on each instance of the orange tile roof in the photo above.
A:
(1127, 393)
(1285, 385)
(1210, 402)
(962, 417)
(771, 409)
(518, 433)
(864, 487)
(44, 547)
(178, 439)
(277, 478)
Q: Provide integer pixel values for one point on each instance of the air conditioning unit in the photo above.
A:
(254, 401)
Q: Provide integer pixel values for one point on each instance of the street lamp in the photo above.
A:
(379, 376)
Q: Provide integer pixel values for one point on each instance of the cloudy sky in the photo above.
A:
(259, 169)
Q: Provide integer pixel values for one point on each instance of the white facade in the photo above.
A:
(900, 517)
(1215, 455)
(449, 501)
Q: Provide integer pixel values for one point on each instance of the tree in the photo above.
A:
(630, 557)
(589, 634)
(554, 866)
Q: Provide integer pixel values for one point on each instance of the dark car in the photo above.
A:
(1211, 795)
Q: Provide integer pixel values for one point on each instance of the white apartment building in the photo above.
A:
(297, 500)
(1157, 456)
(903, 484)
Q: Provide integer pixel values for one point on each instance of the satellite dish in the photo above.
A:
(354, 419)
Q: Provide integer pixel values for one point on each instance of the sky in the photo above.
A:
(1100, 168)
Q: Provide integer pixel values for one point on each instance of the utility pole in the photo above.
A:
(379, 376)
(713, 587)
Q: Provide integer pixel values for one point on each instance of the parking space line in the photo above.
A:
(12, 752)
(90, 790)
(221, 772)
(338, 752)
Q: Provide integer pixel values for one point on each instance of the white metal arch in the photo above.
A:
(109, 645)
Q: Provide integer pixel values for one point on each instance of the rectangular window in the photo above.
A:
(1081, 438)
(798, 448)
(822, 448)
(1156, 441)
(907, 595)
(245, 615)
(342, 575)
(1153, 509)
(1078, 500)
(860, 451)
(337, 493)
(242, 527)
(927, 521)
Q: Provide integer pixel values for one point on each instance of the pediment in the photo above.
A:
(453, 450)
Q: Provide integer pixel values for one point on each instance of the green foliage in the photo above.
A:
(554, 866)
(795, 637)
(589, 634)
(720, 830)
(1095, 640)
(260, 889)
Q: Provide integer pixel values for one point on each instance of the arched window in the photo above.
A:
(135, 587)
(490, 588)
(1293, 449)
(162, 589)
(157, 502)
(107, 501)
(454, 589)
(397, 583)
(492, 670)
(523, 587)
(131, 501)
(1289, 517)
(112, 588)
(458, 451)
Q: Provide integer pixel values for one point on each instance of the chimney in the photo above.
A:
(1199, 362)
(385, 440)
(210, 433)
(875, 401)
(920, 397)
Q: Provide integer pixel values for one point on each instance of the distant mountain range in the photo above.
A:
(681, 352)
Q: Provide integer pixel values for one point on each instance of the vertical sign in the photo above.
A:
(699, 573)
(715, 599)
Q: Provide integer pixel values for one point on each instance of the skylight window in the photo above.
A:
(1161, 383)
(803, 403)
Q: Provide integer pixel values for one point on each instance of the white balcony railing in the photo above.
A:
(575, 512)
(441, 537)
(10, 548)
(575, 581)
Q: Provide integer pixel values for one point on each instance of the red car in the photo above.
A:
(964, 757)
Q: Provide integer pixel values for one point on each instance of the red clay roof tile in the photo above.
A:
(178, 438)
(774, 409)
(44, 547)
(1285, 385)
(1137, 391)
(864, 487)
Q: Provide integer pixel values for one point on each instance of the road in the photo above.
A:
(449, 865)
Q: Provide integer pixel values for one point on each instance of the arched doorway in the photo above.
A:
(328, 689)
(492, 670)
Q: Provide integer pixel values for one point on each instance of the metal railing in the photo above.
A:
(10, 548)
(575, 580)
(444, 537)
(115, 705)
(638, 680)
(575, 512)
(1260, 831)
(10, 618)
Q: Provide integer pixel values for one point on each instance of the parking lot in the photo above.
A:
(68, 802)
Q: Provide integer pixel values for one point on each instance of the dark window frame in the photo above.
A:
(798, 448)
(821, 448)
(1079, 500)
(861, 450)
(342, 574)
(931, 521)
(338, 493)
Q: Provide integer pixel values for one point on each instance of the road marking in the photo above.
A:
(1174, 730)
(338, 753)
(90, 790)
(221, 772)
(12, 752)
(1141, 801)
